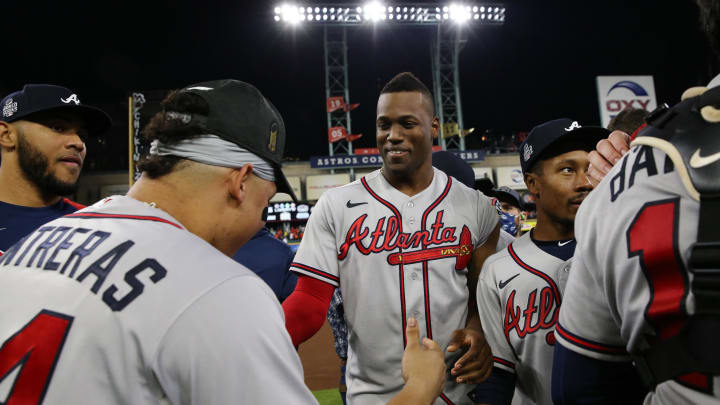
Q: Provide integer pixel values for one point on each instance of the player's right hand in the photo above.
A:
(606, 154)
(423, 364)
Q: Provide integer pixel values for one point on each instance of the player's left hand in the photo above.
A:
(475, 365)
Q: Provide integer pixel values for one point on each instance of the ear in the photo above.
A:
(238, 182)
(435, 128)
(532, 183)
(8, 135)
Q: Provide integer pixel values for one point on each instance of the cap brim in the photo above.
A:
(282, 184)
(97, 121)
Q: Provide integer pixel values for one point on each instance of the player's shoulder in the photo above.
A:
(643, 174)
(640, 171)
(497, 264)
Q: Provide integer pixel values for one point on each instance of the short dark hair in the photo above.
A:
(407, 81)
(169, 130)
(628, 120)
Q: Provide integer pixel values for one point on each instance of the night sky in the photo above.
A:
(540, 65)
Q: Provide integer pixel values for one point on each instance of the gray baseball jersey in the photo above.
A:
(119, 304)
(629, 279)
(395, 256)
(519, 295)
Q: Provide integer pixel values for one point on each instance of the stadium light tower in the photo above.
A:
(450, 19)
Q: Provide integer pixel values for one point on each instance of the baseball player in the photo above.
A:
(639, 292)
(640, 269)
(404, 241)
(520, 288)
(42, 133)
(136, 300)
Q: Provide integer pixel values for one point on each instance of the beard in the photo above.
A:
(34, 166)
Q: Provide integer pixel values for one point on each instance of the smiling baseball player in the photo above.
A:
(404, 241)
(520, 288)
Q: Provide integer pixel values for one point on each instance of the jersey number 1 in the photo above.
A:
(35, 349)
(653, 236)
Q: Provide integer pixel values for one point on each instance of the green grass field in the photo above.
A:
(328, 397)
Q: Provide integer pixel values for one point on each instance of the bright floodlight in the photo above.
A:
(375, 12)
(459, 14)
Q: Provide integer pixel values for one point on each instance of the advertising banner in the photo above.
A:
(510, 176)
(345, 161)
(317, 185)
(616, 93)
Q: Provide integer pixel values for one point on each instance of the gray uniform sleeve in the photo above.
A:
(230, 346)
(487, 218)
(317, 255)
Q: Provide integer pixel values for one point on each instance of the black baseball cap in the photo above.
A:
(507, 195)
(454, 166)
(240, 114)
(35, 98)
(553, 132)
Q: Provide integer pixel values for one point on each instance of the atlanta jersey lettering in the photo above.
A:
(119, 304)
(519, 296)
(629, 279)
(395, 256)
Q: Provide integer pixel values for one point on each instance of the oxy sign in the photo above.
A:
(616, 93)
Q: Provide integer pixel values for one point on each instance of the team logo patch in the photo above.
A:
(272, 145)
(72, 99)
(527, 152)
(572, 126)
(10, 108)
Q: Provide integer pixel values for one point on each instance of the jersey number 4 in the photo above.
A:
(35, 349)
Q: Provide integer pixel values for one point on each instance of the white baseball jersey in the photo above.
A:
(395, 256)
(119, 304)
(629, 279)
(519, 296)
(504, 240)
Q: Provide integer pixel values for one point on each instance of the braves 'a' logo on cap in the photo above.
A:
(527, 152)
(572, 126)
(10, 108)
(72, 99)
(272, 145)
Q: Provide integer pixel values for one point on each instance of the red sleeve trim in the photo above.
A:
(304, 267)
(589, 344)
(504, 362)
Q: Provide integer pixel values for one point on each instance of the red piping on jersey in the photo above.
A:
(401, 273)
(426, 278)
(548, 279)
(123, 216)
(315, 271)
(75, 205)
(446, 399)
(504, 362)
(587, 344)
(637, 131)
